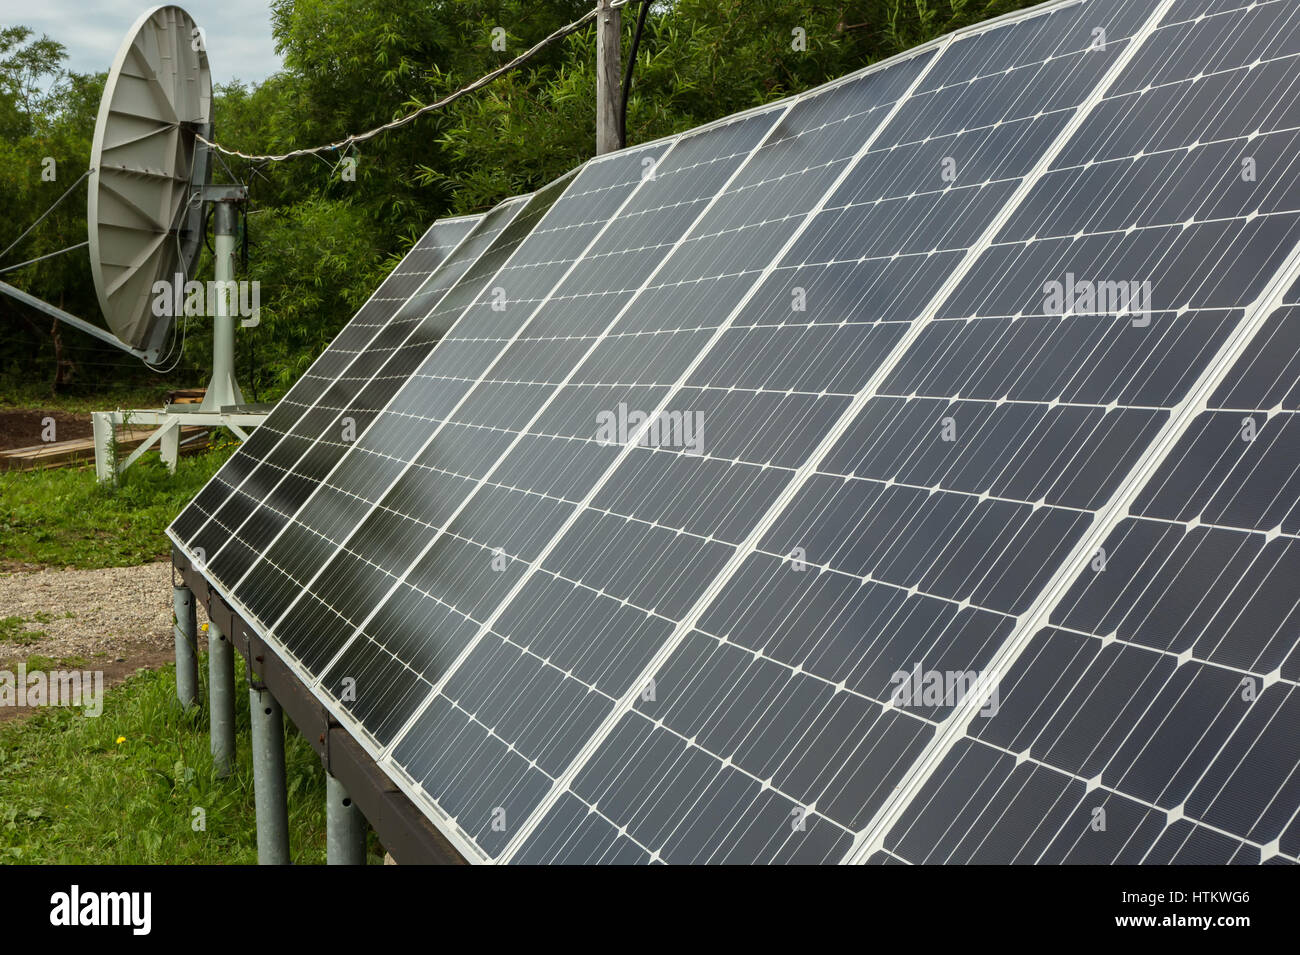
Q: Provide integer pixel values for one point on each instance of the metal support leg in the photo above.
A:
(105, 467)
(169, 446)
(269, 795)
(221, 700)
(345, 827)
(187, 653)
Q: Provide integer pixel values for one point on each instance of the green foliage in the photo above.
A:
(312, 288)
(321, 242)
(149, 784)
(47, 118)
(63, 518)
(110, 394)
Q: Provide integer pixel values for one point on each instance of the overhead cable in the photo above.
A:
(411, 117)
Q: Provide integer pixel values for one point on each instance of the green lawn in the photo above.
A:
(63, 518)
(124, 787)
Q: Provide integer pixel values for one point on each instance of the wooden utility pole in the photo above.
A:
(609, 68)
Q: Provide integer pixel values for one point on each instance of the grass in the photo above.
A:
(133, 785)
(61, 517)
(26, 396)
(14, 631)
(38, 662)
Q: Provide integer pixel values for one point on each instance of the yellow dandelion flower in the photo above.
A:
(121, 740)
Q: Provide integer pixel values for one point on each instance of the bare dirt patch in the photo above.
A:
(22, 429)
(115, 620)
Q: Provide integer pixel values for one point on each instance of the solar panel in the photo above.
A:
(807, 487)
(320, 504)
(1125, 730)
(752, 723)
(374, 325)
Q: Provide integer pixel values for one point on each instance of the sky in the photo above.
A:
(238, 31)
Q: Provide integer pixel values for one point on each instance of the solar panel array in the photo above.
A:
(901, 472)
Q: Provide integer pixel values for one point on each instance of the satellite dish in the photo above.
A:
(146, 217)
(143, 215)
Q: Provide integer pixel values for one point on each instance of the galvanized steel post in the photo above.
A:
(221, 700)
(187, 651)
(345, 826)
(269, 790)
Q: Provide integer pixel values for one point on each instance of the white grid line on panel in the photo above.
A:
(415, 326)
(1109, 517)
(1061, 695)
(412, 462)
(416, 323)
(595, 340)
(984, 26)
(356, 447)
(980, 28)
(1266, 679)
(378, 328)
(778, 555)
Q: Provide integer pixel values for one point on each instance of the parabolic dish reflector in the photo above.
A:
(141, 221)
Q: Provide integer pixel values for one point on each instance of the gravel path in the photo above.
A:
(122, 613)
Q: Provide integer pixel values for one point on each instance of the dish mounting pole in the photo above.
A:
(223, 390)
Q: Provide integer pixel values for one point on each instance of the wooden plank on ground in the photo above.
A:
(82, 450)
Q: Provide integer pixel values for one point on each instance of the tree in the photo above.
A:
(48, 116)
